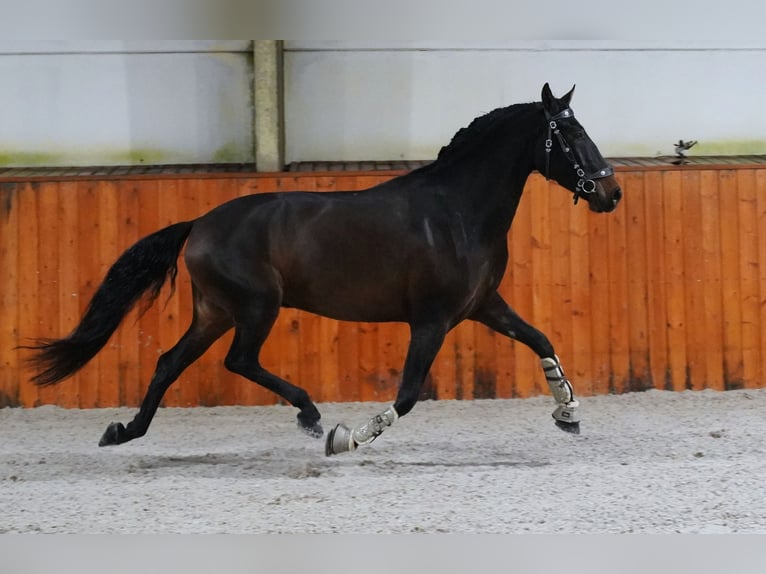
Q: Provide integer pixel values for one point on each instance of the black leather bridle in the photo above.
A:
(586, 183)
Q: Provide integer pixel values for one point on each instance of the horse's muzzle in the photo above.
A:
(603, 201)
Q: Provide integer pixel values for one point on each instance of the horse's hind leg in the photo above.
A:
(206, 327)
(497, 315)
(252, 326)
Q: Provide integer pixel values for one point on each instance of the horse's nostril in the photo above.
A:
(617, 195)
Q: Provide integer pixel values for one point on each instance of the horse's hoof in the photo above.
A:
(310, 424)
(573, 428)
(338, 441)
(114, 432)
(314, 431)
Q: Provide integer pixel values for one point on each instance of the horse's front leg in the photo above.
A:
(425, 342)
(497, 315)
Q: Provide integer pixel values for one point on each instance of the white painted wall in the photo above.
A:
(120, 102)
(109, 102)
(382, 101)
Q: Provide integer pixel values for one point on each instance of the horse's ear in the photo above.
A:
(548, 98)
(568, 97)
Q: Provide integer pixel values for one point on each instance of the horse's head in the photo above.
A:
(571, 158)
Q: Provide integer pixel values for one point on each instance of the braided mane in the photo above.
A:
(477, 128)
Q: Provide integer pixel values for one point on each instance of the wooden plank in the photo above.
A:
(401, 343)
(710, 242)
(443, 371)
(580, 369)
(619, 257)
(465, 360)
(485, 363)
(730, 283)
(288, 331)
(47, 274)
(329, 383)
(749, 279)
(760, 190)
(310, 372)
(348, 362)
(674, 270)
(127, 335)
(28, 278)
(599, 309)
(69, 283)
(503, 366)
(694, 276)
(289, 328)
(367, 334)
(656, 280)
(11, 373)
(89, 278)
(639, 378)
(108, 244)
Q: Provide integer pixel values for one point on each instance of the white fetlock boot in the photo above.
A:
(566, 415)
(343, 439)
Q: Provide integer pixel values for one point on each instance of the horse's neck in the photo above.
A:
(487, 191)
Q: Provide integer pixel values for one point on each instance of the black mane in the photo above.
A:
(478, 127)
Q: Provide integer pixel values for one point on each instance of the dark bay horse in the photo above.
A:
(428, 248)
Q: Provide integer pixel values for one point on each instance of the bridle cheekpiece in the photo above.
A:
(586, 183)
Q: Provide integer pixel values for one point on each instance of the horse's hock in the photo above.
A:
(664, 293)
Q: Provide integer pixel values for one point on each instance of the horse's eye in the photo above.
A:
(579, 134)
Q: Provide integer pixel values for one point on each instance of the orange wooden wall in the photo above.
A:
(667, 292)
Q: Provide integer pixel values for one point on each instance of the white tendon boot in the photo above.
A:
(566, 415)
(343, 439)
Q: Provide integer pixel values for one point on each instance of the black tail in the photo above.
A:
(142, 269)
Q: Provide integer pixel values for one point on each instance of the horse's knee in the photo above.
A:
(240, 365)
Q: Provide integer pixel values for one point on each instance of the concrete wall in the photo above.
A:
(120, 102)
(356, 101)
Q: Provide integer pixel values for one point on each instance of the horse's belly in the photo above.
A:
(348, 305)
(361, 293)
